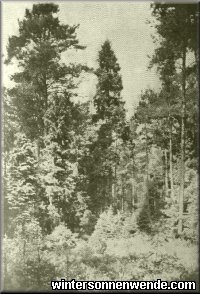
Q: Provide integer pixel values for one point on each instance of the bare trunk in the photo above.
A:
(114, 194)
(182, 178)
(45, 93)
(132, 195)
(166, 173)
(147, 173)
(114, 184)
(122, 195)
(171, 163)
(182, 160)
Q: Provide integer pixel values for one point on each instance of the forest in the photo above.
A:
(89, 193)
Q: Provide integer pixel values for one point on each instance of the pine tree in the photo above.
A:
(42, 99)
(37, 50)
(177, 28)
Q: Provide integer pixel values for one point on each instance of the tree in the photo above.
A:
(177, 27)
(37, 49)
(108, 102)
(22, 183)
(44, 109)
(146, 122)
(110, 117)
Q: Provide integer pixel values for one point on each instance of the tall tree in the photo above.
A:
(42, 99)
(38, 48)
(177, 27)
(110, 117)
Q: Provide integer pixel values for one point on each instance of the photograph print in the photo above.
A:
(99, 146)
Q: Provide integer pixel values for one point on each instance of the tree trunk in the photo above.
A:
(147, 172)
(132, 195)
(182, 160)
(114, 184)
(166, 174)
(171, 163)
(45, 97)
(122, 195)
(114, 170)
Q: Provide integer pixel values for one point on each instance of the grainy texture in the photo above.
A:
(100, 161)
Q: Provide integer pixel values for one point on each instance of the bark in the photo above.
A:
(182, 160)
(114, 194)
(166, 173)
(147, 172)
(132, 195)
(122, 196)
(45, 92)
(109, 193)
(171, 163)
(114, 178)
(45, 97)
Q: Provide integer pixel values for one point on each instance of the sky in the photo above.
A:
(123, 23)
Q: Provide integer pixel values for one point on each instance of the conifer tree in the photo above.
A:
(22, 189)
(110, 117)
(37, 50)
(177, 29)
(108, 101)
(42, 101)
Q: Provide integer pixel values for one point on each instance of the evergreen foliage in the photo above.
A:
(98, 196)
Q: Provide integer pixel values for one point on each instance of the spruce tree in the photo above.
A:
(108, 102)
(110, 118)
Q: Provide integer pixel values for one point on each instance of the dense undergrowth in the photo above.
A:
(111, 252)
(90, 193)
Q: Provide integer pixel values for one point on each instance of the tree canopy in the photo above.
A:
(97, 195)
